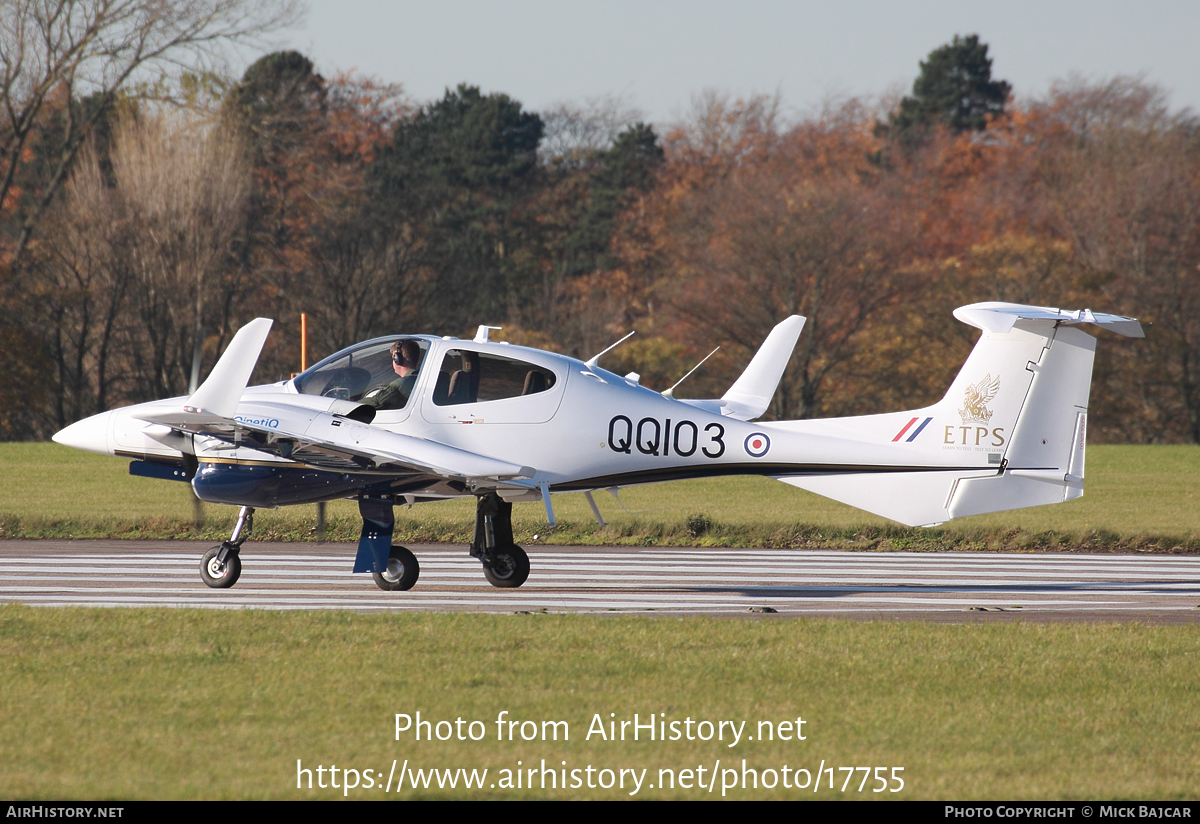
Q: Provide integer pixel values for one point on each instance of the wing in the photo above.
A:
(336, 442)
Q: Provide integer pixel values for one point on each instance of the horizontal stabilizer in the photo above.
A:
(1014, 489)
(993, 316)
(220, 393)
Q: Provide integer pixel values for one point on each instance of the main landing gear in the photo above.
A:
(394, 568)
(505, 564)
(222, 565)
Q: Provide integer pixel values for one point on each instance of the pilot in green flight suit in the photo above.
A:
(406, 360)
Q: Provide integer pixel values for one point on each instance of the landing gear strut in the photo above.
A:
(505, 564)
(222, 565)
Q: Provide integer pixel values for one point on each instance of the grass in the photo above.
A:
(148, 703)
(1139, 498)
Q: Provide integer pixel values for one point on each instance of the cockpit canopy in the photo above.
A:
(465, 373)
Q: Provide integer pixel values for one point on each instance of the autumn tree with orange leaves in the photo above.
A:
(312, 241)
(1121, 175)
(571, 227)
(756, 223)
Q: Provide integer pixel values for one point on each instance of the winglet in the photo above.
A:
(220, 393)
(751, 394)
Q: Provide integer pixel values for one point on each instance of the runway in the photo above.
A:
(608, 580)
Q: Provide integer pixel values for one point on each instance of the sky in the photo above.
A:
(657, 55)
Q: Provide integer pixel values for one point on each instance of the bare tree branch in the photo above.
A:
(95, 47)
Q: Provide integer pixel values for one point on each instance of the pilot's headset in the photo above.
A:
(399, 359)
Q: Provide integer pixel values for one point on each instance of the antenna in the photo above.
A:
(481, 335)
(670, 393)
(595, 358)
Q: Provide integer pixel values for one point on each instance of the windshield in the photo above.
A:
(353, 373)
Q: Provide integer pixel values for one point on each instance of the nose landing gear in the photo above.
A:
(222, 565)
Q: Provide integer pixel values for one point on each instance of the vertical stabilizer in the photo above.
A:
(1043, 463)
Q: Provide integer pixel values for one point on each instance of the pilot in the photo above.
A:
(406, 360)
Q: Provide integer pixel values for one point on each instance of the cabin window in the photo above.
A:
(475, 377)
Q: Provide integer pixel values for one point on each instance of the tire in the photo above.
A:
(402, 571)
(217, 575)
(509, 568)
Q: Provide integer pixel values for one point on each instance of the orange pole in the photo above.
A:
(303, 341)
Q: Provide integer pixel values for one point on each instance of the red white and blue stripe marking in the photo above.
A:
(916, 431)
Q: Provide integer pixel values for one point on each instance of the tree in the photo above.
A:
(279, 97)
(955, 87)
(359, 276)
(769, 225)
(454, 176)
(172, 219)
(279, 104)
(574, 134)
(313, 244)
(623, 171)
(568, 228)
(79, 289)
(74, 48)
(1122, 174)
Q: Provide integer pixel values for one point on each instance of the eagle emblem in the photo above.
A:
(974, 400)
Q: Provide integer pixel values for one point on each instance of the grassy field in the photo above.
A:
(150, 703)
(179, 704)
(1138, 498)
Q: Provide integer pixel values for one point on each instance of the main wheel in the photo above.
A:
(401, 573)
(220, 575)
(509, 568)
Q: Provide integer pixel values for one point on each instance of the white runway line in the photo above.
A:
(631, 580)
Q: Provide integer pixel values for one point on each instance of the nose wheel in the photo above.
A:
(221, 566)
(220, 573)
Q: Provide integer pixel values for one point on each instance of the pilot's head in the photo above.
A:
(406, 356)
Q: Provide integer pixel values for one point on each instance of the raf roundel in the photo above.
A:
(757, 445)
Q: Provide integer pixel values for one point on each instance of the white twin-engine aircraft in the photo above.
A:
(409, 419)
